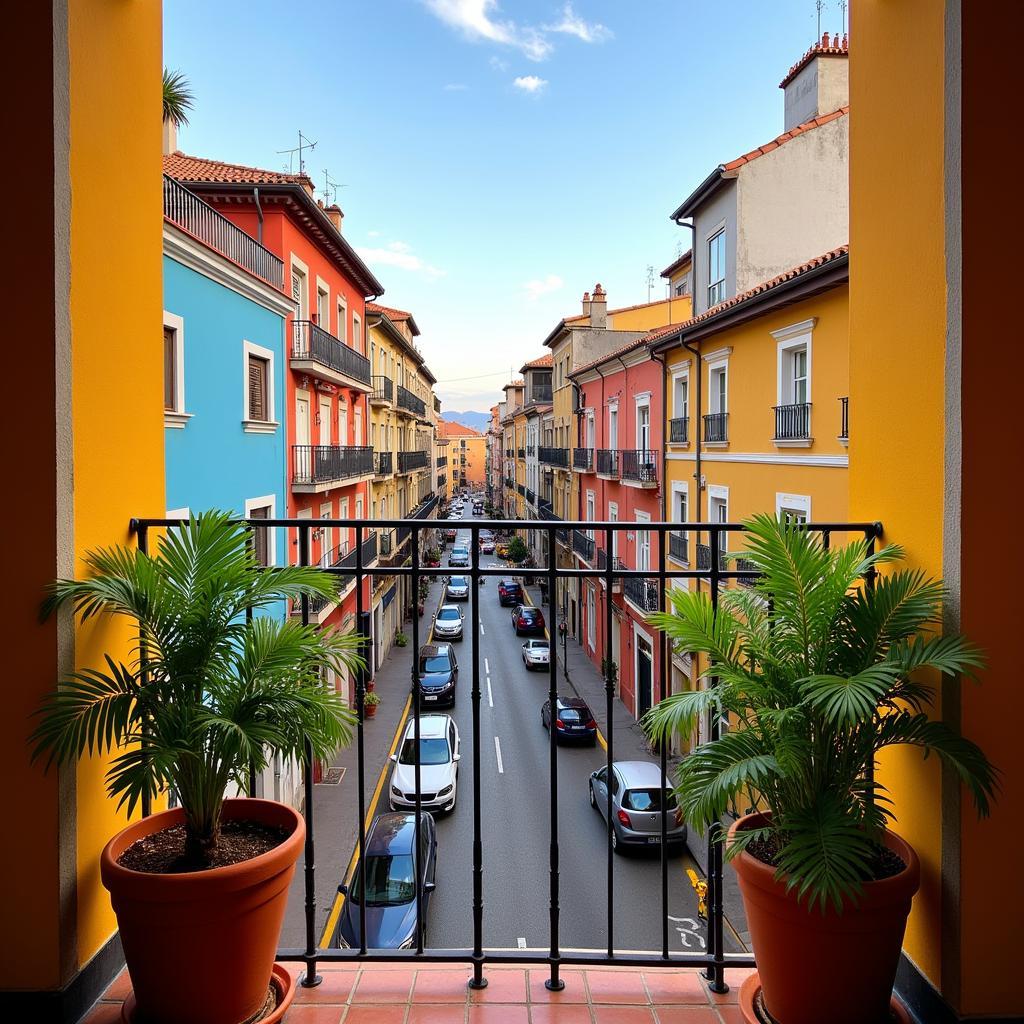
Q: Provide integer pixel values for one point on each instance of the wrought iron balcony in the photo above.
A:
(844, 428)
(583, 545)
(202, 221)
(554, 456)
(344, 557)
(384, 464)
(531, 451)
(383, 392)
(793, 422)
(531, 498)
(641, 592)
(716, 427)
(509, 453)
(317, 466)
(679, 546)
(583, 460)
(704, 557)
(608, 463)
(408, 402)
(639, 467)
(521, 453)
(679, 430)
(317, 351)
(442, 460)
(746, 565)
(409, 462)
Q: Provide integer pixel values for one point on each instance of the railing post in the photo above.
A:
(361, 674)
(147, 803)
(554, 983)
(415, 540)
(663, 675)
(609, 701)
(478, 980)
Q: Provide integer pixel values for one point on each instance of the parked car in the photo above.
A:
(509, 592)
(448, 622)
(459, 558)
(388, 866)
(439, 766)
(487, 535)
(451, 533)
(487, 546)
(527, 620)
(638, 803)
(439, 674)
(536, 654)
(501, 549)
(574, 722)
(457, 588)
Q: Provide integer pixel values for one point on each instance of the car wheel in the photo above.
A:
(593, 798)
(617, 847)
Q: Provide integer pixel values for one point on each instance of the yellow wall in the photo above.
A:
(650, 315)
(117, 367)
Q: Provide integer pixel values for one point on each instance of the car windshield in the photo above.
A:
(510, 584)
(432, 751)
(448, 614)
(648, 800)
(528, 614)
(539, 645)
(389, 880)
(458, 581)
(435, 663)
(570, 715)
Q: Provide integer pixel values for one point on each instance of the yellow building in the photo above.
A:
(514, 431)
(467, 456)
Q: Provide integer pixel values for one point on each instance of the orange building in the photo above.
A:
(467, 455)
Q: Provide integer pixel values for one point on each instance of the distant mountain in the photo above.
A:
(477, 420)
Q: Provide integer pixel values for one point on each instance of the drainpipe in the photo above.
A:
(259, 214)
(696, 355)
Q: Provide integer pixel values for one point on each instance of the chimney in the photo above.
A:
(586, 304)
(818, 82)
(334, 212)
(599, 308)
(170, 136)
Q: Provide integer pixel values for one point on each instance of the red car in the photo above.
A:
(509, 592)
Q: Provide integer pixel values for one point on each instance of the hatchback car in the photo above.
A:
(388, 867)
(509, 592)
(527, 620)
(439, 766)
(459, 558)
(536, 654)
(448, 622)
(457, 588)
(574, 722)
(638, 804)
(439, 674)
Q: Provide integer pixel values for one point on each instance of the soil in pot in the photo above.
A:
(164, 852)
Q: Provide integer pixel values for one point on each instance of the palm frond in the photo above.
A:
(177, 98)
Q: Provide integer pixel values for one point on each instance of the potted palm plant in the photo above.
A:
(817, 673)
(206, 695)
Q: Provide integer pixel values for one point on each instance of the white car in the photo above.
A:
(457, 588)
(536, 654)
(448, 622)
(439, 766)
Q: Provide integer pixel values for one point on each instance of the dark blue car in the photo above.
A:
(439, 673)
(389, 865)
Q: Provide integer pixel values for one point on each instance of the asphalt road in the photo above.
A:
(514, 778)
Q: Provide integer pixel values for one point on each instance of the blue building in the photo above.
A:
(224, 366)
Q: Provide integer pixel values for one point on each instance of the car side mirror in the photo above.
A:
(393, 757)
(429, 886)
(343, 889)
(456, 757)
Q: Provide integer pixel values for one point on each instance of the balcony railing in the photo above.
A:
(410, 461)
(583, 545)
(441, 460)
(716, 427)
(344, 558)
(384, 463)
(531, 498)
(531, 451)
(844, 423)
(679, 546)
(383, 390)
(583, 460)
(509, 453)
(202, 221)
(640, 466)
(311, 342)
(521, 488)
(521, 453)
(679, 430)
(608, 462)
(601, 557)
(793, 422)
(554, 456)
(406, 400)
(704, 557)
(325, 463)
(641, 592)
(746, 565)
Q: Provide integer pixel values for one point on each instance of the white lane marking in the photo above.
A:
(490, 696)
(497, 751)
(482, 633)
(688, 928)
(521, 942)
(487, 666)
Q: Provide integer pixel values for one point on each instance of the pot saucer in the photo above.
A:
(752, 1006)
(280, 978)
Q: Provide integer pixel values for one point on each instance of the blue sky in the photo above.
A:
(498, 158)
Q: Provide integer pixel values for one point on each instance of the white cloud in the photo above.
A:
(456, 87)
(475, 20)
(530, 83)
(399, 246)
(542, 286)
(400, 255)
(372, 234)
(573, 25)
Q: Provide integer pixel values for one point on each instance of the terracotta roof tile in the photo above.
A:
(392, 314)
(450, 428)
(678, 262)
(836, 48)
(195, 168)
(514, 384)
(539, 363)
(800, 129)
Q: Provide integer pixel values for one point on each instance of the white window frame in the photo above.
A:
(613, 517)
(613, 417)
(790, 340)
(798, 503)
(357, 332)
(294, 263)
(681, 376)
(719, 493)
(259, 426)
(641, 518)
(177, 417)
(680, 489)
(642, 401)
(717, 232)
(342, 320)
(267, 501)
(324, 289)
(592, 617)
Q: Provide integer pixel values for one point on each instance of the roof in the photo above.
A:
(394, 315)
(630, 346)
(450, 428)
(514, 384)
(430, 725)
(195, 168)
(675, 265)
(539, 363)
(837, 48)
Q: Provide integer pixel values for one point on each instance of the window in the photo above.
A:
(643, 542)
(357, 333)
(262, 536)
(798, 376)
(174, 371)
(613, 517)
(718, 512)
(300, 293)
(170, 369)
(342, 320)
(613, 427)
(793, 508)
(643, 425)
(323, 309)
(716, 268)
(681, 287)
(258, 405)
(591, 619)
(681, 396)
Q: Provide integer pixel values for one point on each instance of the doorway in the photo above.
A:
(644, 665)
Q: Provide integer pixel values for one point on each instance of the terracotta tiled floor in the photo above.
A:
(437, 994)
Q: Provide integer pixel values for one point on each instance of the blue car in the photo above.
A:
(389, 865)
(439, 674)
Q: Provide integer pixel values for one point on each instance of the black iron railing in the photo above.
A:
(383, 389)
(409, 461)
(746, 565)
(642, 592)
(583, 460)
(704, 558)
(405, 399)
(531, 451)
(601, 557)
(793, 422)
(384, 464)
(358, 564)
(324, 463)
(554, 456)
(607, 462)
(583, 545)
(202, 221)
(640, 466)
(521, 453)
(312, 342)
(844, 423)
(679, 430)
(441, 460)
(716, 427)
(530, 496)
(679, 546)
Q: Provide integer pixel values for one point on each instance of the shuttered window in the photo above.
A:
(258, 404)
(170, 369)
(260, 534)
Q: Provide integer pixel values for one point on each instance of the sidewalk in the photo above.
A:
(630, 743)
(335, 805)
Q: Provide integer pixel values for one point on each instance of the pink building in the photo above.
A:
(621, 421)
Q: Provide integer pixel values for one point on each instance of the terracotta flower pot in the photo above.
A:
(200, 946)
(816, 965)
(370, 710)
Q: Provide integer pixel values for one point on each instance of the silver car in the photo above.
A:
(637, 802)
(457, 588)
(536, 654)
(448, 622)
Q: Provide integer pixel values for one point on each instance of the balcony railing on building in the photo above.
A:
(344, 557)
(530, 496)
(312, 344)
(608, 463)
(442, 460)
(583, 545)
(639, 467)
(679, 430)
(408, 462)
(409, 402)
(521, 453)
(554, 456)
(583, 460)
(844, 422)
(679, 546)
(643, 593)
(383, 392)
(202, 221)
(704, 558)
(384, 463)
(793, 422)
(746, 565)
(521, 489)
(546, 511)
(318, 464)
(716, 427)
(531, 451)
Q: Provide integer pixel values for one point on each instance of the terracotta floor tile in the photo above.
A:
(686, 1015)
(336, 987)
(379, 986)
(556, 1013)
(437, 1014)
(623, 1015)
(382, 1013)
(504, 986)
(574, 992)
(441, 986)
(119, 988)
(730, 1014)
(103, 1013)
(496, 1013)
(676, 987)
(734, 979)
(306, 1013)
(616, 987)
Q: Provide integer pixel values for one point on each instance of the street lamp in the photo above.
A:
(563, 632)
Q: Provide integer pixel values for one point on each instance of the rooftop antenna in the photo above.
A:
(304, 144)
(842, 7)
(820, 5)
(650, 280)
(331, 188)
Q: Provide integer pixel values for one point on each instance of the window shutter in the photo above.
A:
(260, 540)
(170, 370)
(257, 388)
